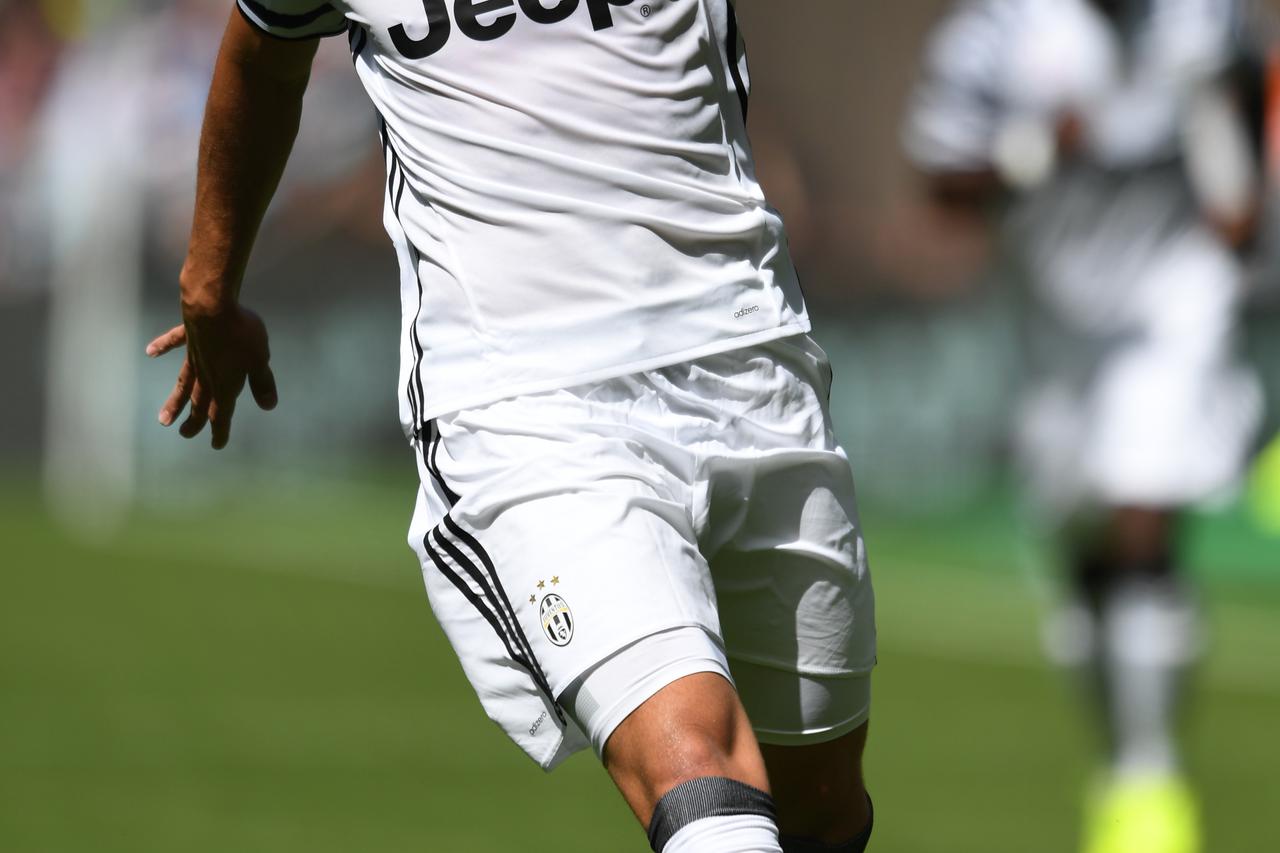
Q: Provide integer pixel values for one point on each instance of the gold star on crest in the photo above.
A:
(542, 584)
(555, 580)
(533, 599)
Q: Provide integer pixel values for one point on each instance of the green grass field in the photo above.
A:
(271, 679)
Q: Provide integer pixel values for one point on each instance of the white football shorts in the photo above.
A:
(584, 547)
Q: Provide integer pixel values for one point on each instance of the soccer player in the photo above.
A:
(1112, 139)
(634, 522)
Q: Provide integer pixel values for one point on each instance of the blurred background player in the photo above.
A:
(1116, 143)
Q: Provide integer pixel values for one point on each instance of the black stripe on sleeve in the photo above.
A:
(258, 27)
(285, 20)
(356, 39)
(731, 53)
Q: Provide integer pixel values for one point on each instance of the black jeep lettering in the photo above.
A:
(467, 15)
(601, 14)
(469, 11)
(437, 32)
(540, 14)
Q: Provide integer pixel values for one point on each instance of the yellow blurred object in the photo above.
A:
(1264, 489)
(1148, 815)
(76, 19)
(65, 17)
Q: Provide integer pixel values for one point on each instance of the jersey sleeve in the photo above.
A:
(955, 111)
(294, 19)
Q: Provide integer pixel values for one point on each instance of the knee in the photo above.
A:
(685, 750)
(694, 728)
(690, 752)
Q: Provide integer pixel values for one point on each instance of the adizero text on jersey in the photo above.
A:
(569, 188)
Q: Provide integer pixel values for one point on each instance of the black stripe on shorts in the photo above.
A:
(490, 602)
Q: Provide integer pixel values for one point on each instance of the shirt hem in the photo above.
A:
(799, 327)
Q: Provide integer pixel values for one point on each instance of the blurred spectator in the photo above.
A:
(28, 54)
(109, 186)
(1116, 144)
(29, 51)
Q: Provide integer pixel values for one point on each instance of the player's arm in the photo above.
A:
(250, 122)
(956, 129)
(952, 120)
(1224, 147)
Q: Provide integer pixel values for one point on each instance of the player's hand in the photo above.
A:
(224, 350)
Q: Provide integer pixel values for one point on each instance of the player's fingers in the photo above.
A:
(172, 339)
(198, 415)
(220, 413)
(178, 398)
(262, 384)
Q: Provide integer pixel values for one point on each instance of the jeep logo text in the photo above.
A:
(467, 15)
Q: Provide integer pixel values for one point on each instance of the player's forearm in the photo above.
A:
(250, 122)
(1223, 162)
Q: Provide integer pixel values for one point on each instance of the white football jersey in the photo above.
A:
(570, 188)
(999, 76)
